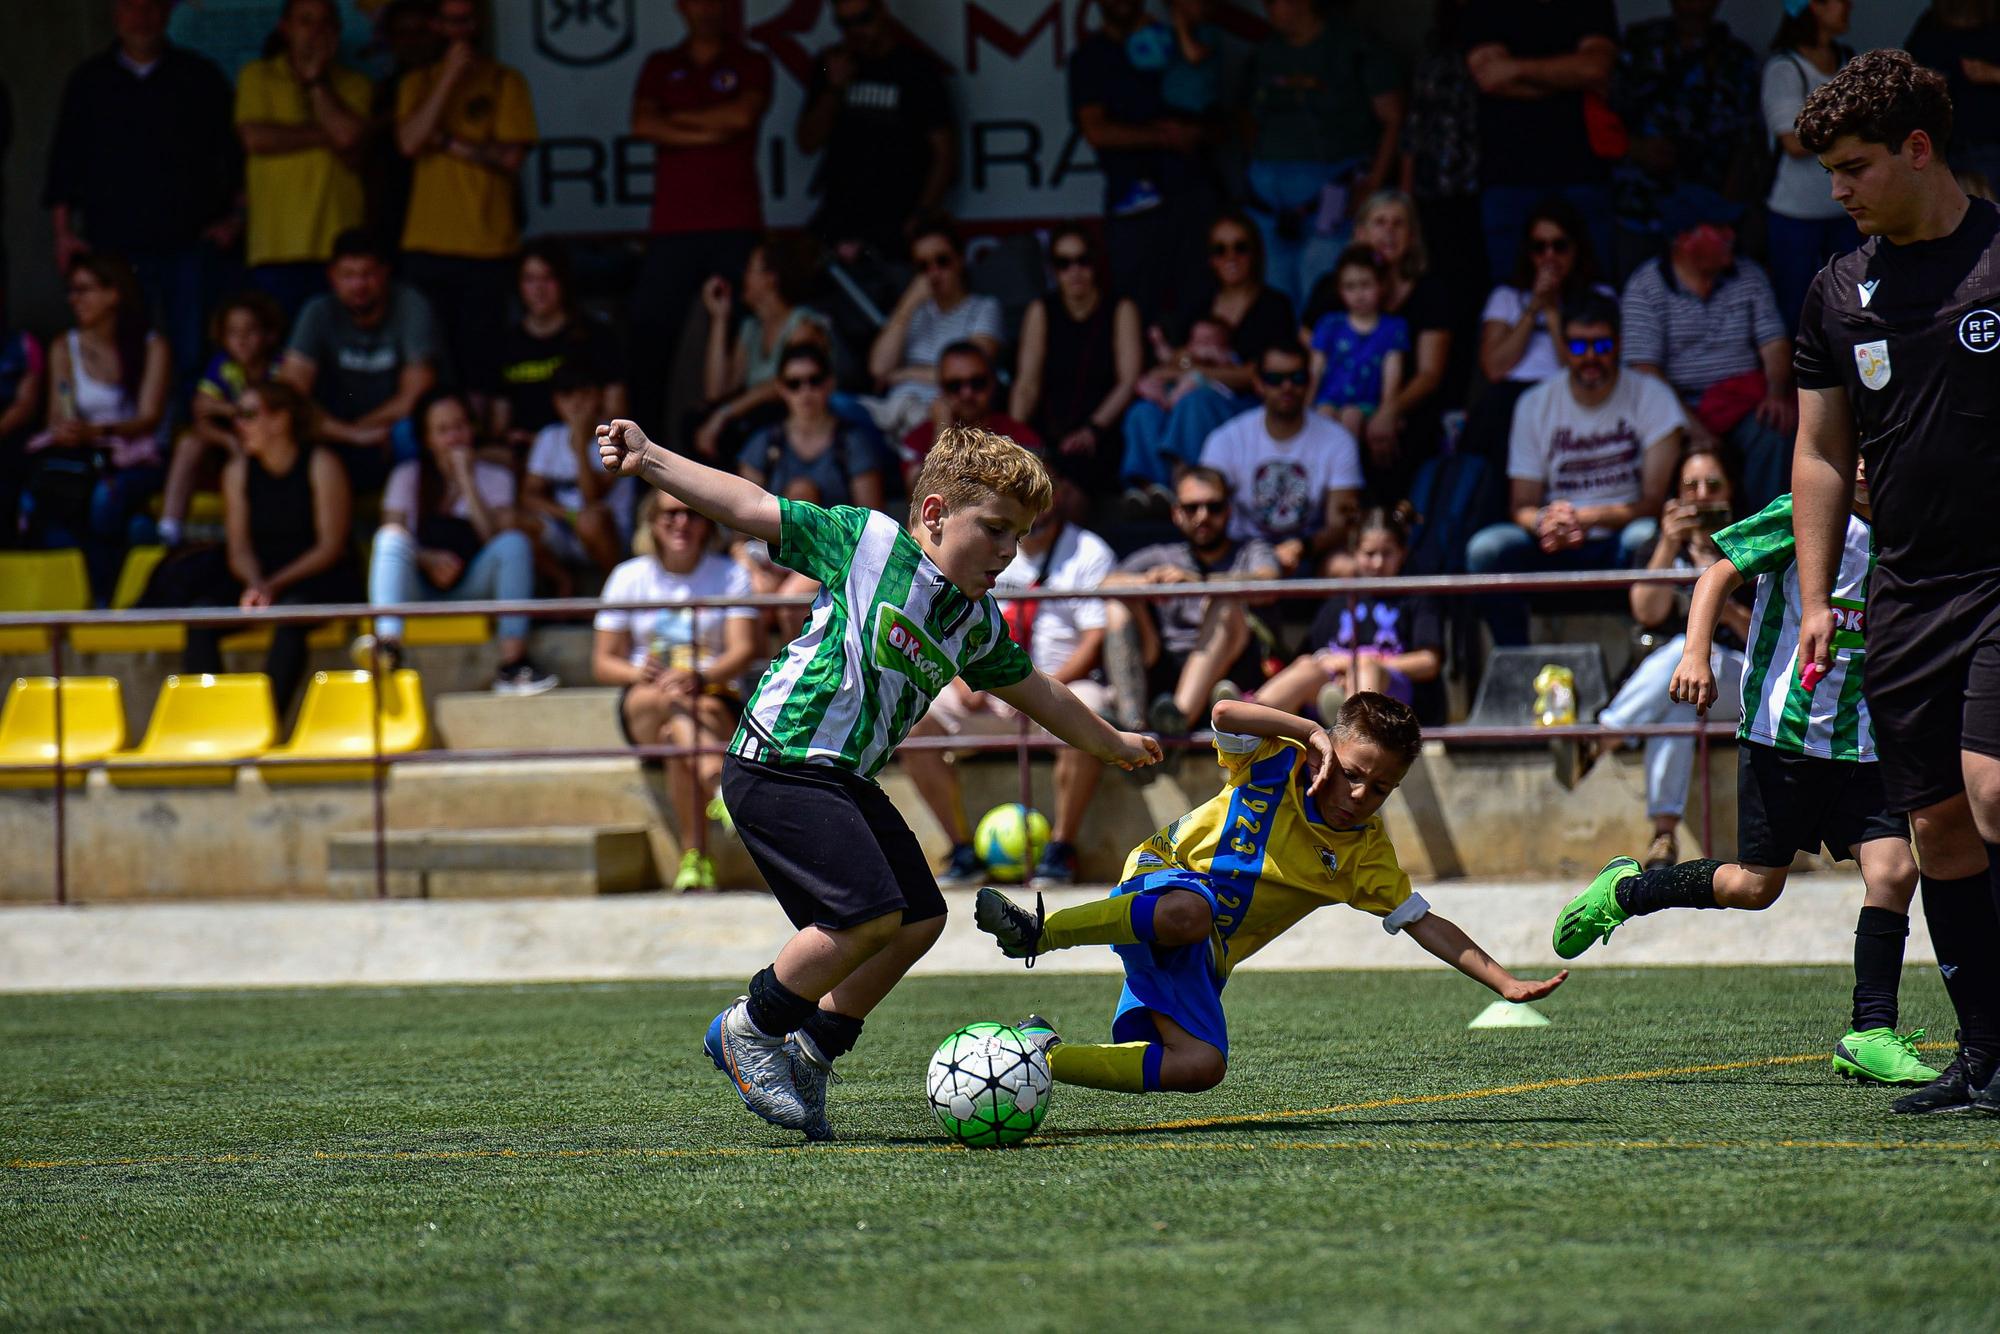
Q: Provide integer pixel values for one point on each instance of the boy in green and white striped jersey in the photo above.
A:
(900, 612)
(1806, 775)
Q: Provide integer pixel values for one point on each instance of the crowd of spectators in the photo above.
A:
(1317, 273)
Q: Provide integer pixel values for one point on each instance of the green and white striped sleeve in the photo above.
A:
(1762, 543)
(818, 542)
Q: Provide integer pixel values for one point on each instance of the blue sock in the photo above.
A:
(1142, 916)
(1155, 1053)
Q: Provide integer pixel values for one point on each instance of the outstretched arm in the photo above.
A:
(1056, 707)
(723, 497)
(1443, 938)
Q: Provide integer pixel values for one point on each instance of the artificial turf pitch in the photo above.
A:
(564, 1156)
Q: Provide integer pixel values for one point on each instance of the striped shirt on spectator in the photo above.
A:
(1697, 343)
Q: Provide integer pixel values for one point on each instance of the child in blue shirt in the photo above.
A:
(1358, 353)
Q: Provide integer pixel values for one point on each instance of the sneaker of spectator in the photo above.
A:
(448, 534)
(366, 352)
(248, 331)
(1064, 639)
(967, 388)
(303, 119)
(467, 122)
(1706, 321)
(937, 310)
(1296, 476)
(1175, 652)
(1588, 465)
(700, 106)
(878, 114)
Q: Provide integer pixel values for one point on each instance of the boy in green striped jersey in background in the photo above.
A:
(1806, 775)
(900, 612)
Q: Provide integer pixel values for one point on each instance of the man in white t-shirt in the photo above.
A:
(1065, 639)
(1588, 465)
(1296, 476)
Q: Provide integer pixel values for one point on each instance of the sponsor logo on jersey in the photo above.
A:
(1979, 331)
(902, 647)
(1866, 291)
(1872, 360)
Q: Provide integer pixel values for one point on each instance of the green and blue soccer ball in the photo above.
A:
(1010, 840)
(989, 1086)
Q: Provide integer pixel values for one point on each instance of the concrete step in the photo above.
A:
(494, 863)
(563, 719)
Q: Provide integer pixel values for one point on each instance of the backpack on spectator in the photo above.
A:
(1454, 496)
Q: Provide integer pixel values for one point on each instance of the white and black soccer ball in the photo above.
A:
(989, 1086)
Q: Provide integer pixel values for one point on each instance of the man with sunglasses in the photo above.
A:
(878, 107)
(1706, 321)
(966, 389)
(1588, 466)
(1164, 659)
(1296, 475)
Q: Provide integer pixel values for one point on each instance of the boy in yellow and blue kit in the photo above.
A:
(1296, 826)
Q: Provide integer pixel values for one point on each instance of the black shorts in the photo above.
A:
(1932, 681)
(832, 846)
(1787, 804)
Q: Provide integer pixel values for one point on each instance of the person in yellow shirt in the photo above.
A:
(303, 119)
(1296, 826)
(468, 123)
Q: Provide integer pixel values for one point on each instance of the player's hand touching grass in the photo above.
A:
(1521, 990)
(1443, 938)
(1693, 682)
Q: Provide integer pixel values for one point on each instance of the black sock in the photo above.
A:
(1966, 935)
(834, 1035)
(1688, 885)
(774, 1008)
(1878, 966)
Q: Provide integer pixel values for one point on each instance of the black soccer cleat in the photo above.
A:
(1949, 1092)
(1018, 930)
(1040, 1032)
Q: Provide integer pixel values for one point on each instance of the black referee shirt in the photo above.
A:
(1912, 333)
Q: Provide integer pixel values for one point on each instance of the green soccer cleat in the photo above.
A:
(1594, 914)
(1018, 931)
(1881, 1056)
(697, 872)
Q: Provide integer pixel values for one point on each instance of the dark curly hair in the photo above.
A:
(1389, 723)
(1880, 98)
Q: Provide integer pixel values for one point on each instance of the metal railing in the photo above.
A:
(1026, 741)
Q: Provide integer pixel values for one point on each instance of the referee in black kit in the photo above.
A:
(1899, 357)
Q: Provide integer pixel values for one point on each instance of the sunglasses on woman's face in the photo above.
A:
(1063, 263)
(1544, 246)
(1601, 347)
(971, 384)
(1222, 249)
(796, 383)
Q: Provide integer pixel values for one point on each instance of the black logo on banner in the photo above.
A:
(584, 32)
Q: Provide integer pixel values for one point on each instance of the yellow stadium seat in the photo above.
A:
(333, 634)
(334, 725)
(156, 637)
(40, 581)
(204, 509)
(443, 630)
(201, 718)
(93, 727)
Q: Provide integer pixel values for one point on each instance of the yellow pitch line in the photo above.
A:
(1154, 1146)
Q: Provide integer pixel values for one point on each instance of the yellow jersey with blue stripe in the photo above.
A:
(1270, 856)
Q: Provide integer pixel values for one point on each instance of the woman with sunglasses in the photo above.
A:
(92, 471)
(1081, 355)
(1160, 440)
(678, 668)
(814, 454)
(286, 508)
(740, 374)
(937, 310)
(1518, 343)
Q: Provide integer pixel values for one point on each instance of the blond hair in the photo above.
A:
(967, 461)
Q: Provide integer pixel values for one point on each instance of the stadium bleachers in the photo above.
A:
(93, 727)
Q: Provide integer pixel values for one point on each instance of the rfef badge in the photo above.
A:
(1872, 360)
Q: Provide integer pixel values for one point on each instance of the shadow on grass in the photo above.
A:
(1291, 1127)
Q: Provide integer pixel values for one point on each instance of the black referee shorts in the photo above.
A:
(1787, 803)
(1932, 680)
(832, 846)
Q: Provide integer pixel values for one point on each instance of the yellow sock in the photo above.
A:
(1125, 1067)
(1105, 922)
